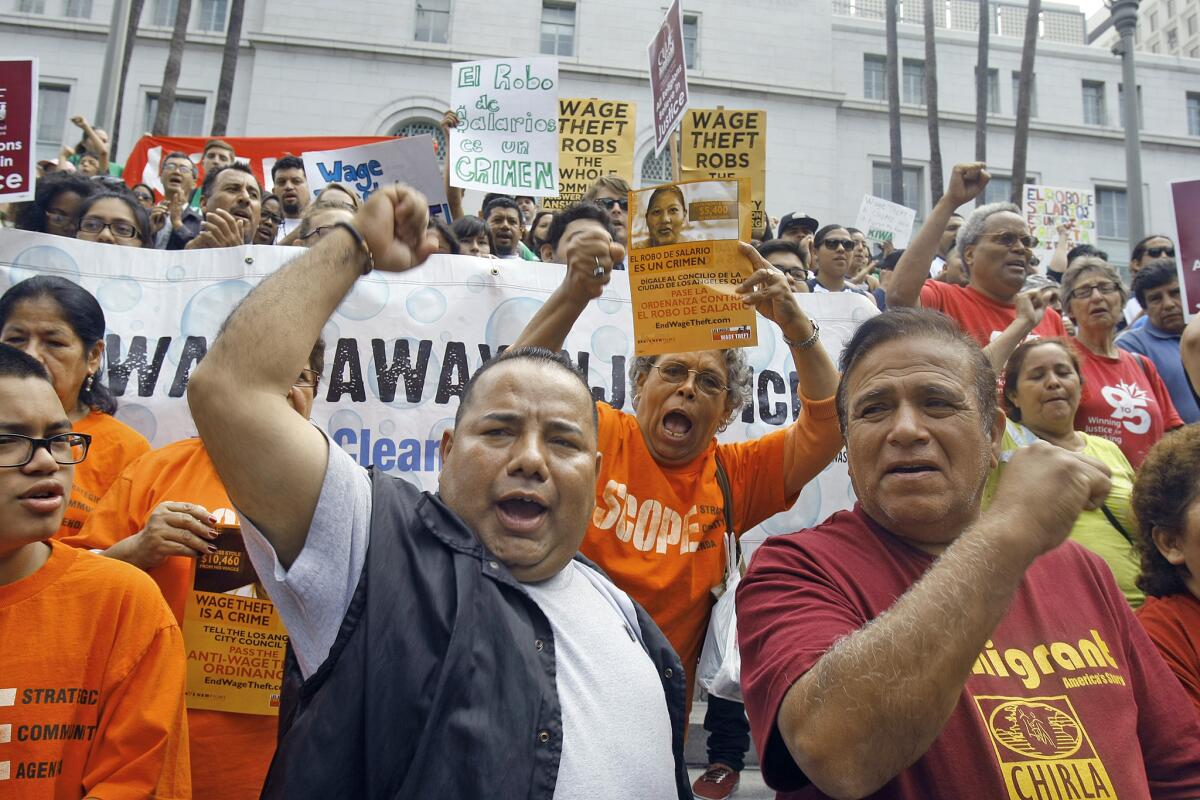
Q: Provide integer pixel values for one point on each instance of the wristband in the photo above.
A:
(362, 243)
(810, 341)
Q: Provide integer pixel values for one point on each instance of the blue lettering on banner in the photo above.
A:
(400, 455)
(360, 175)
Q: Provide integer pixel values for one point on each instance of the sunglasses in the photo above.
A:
(1159, 252)
(607, 203)
(834, 244)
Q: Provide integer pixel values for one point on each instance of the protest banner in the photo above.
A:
(257, 152)
(1047, 207)
(684, 265)
(884, 221)
(668, 75)
(1185, 205)
(232, 634)
(18, 128)
(507, 134)
(595, 139)
(722, 143)
(399, 348)
(367, 167)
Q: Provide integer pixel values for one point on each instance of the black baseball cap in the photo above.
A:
(797, 219)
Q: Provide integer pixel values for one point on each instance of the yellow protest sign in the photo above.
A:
(234, 638)
(595, 139)
(724, 143)
(684, 266)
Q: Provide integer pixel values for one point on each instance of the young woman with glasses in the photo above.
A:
(114, 218)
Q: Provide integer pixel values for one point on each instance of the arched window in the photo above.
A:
(420, 127)
(656, 169)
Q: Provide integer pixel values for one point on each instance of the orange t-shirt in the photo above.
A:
(659, 532)
(230, 752)
(114, 444)
(91, 684)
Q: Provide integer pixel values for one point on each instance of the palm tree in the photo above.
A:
(981, 85)
(931, 102)
(166, 95)
(1024, 98)
(135, 15)
(893, 94)
(229, 61)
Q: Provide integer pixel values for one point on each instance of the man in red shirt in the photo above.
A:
(913, 648)
(995, 245)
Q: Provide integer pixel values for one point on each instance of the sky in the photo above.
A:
(1086, 6)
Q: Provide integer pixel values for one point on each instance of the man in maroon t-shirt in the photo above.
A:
(995, 245)
(914, 648)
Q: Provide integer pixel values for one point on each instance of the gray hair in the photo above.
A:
(973, 227)
(1080, 267)
(736, 368)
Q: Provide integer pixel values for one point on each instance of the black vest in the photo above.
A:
(440, 683)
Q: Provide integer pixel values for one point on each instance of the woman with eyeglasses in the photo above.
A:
(833, 255)
(268, 221)
(1151, 247)
(114, 218)
(1124, 398)
(55, 205)
(61, 325)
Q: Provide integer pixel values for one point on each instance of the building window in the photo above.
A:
(1093, 103)
(656, 169)
(558, 29)
(164, 13)
(881, 184)
(998, 190)
(81, 9)
(1172, 39)
(1153, 21)
(1016, 86)
(994, 92)
(211, 17)
(433, 21)
(1193, 113)
(1170, 9)
(187, 116)
(874, 77)
(31, 6)
(691, 38)
(1121, 104)
(53, 102)
(914, 82)
(420, 127)
(1191, 25)
(1113, 220)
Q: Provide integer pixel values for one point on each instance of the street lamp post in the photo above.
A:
(1124, 15)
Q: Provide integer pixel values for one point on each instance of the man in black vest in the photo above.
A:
(451, 644)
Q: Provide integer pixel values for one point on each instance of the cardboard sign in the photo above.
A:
(1047, 207)
(668, 75)
(1185, 204)
(507, 134)
(367, 167)
(684, 265)
(720, 143)
(595, 139)
(18, 128)
(234, 638)
(884, 221)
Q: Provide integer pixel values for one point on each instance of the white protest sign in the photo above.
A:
(507, 134)
(1047, 207)
(884, 221)
(367, 167)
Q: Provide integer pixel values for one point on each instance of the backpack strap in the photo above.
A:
(727, 502)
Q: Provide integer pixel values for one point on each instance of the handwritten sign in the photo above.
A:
(1185, 202)
(507, 136)
(365, 168)
(684, 266)
(884, 221)
(720, 143)
(1047, 207)
(595, 139)
(668, 76)
(18, 126)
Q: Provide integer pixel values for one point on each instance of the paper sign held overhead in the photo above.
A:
(668, 76)
(1185, 204)
(1047, 207)
(507, 135)
(18, 128)
(365, 169)
(722, 143)
(596, 139)
(884, 221)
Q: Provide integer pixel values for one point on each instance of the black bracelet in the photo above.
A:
(362, 243)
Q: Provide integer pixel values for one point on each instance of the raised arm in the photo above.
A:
(454, 194)
(874, 703)
(1189, 349)
(1030, 310)
(966, 183)
(1062, 246)
(96, 145)
(271, 461)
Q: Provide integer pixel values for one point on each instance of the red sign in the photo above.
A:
(18, 127)
(668, 76)
(259, 152)
(1185, 199)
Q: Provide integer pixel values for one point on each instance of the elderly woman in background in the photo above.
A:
(1124, 398)
(1166, 499)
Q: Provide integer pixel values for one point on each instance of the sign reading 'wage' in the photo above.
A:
(507, 135)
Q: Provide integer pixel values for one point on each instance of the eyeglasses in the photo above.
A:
(834, 244)
(607, 203)
(271, 218)
(1159, 252)
(674, 372)
(58, 218)
(1007, 239)
(177, 166)
(16, 449)
(309, 378)
(1084, 292)
(120, 228)
(318, 232)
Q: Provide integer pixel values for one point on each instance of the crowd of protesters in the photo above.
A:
(1012, 608)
